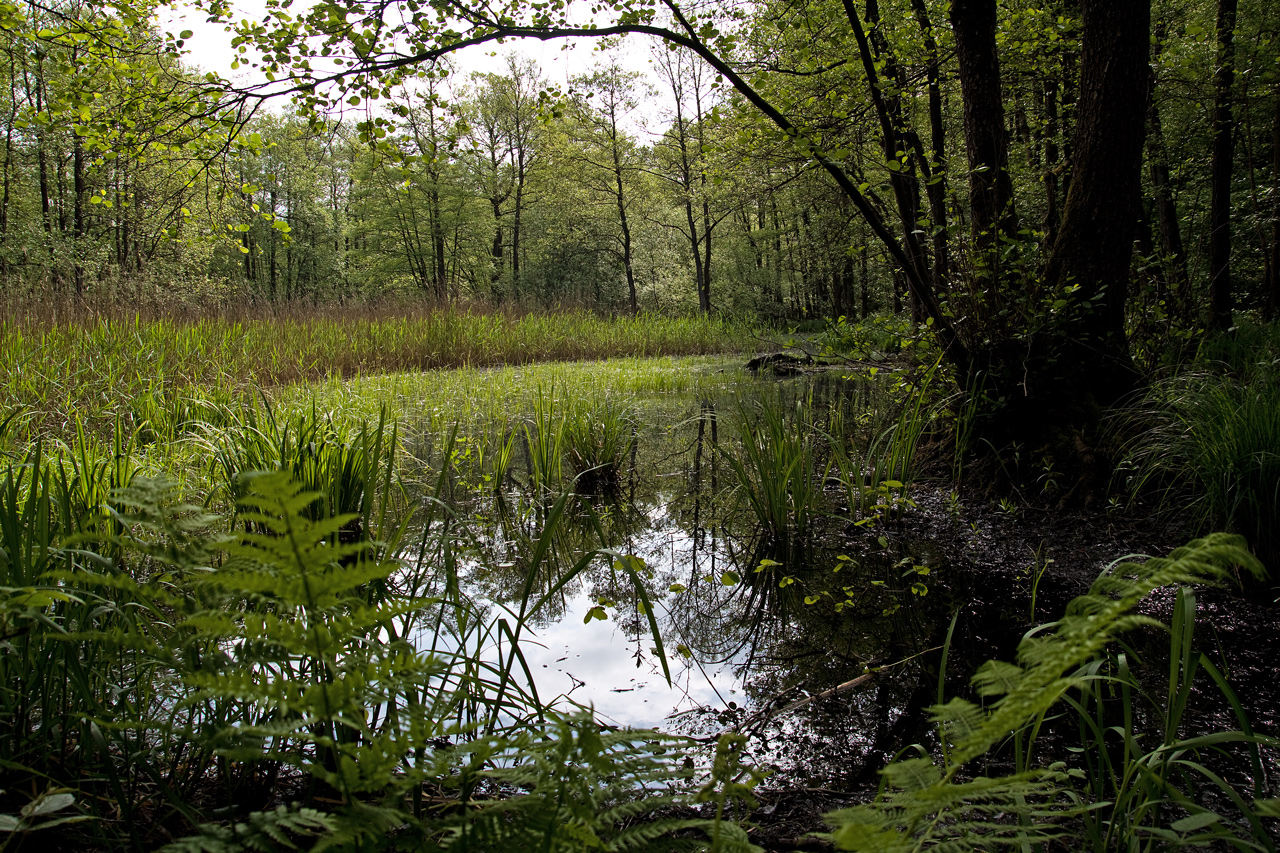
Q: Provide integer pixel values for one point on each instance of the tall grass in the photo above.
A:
(176, 665)
(1213, 447)
(103, 366)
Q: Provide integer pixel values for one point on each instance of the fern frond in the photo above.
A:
(927, 808)
(267, 832)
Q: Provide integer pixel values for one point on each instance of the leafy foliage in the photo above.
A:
(929, 805)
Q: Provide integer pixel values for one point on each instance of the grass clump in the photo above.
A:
(775, 462)
(1214, 448)
(600, 437)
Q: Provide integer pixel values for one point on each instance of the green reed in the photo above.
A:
(104, 366)
(776, 467)
(600, 436)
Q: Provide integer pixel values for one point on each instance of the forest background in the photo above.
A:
(127, 175)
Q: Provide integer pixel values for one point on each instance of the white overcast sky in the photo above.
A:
(209, 48)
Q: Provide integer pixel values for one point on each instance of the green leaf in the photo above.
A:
(729, 578)
(1191, 823)
(48, 804)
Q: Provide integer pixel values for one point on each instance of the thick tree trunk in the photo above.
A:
(986, 140)
(495, 252)
(1220, 180)
(1103, 204)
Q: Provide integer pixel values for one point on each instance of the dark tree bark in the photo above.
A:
(876, 56)
(1051, 160)
(1220, 302)
(986, 140)
(1103, 204)
(937, 186)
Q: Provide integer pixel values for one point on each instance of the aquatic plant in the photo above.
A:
(877, 476)
(350, 467)
(599, 436)
(1132, 798)
(544, 438)
(775, 462)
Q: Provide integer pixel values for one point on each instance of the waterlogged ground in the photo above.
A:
(825, 650)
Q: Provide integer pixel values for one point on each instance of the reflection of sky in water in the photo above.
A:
(596, 664)
(609, 665)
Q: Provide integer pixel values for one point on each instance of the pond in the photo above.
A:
(820, 637)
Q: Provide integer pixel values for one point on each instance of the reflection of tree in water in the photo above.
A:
(674, 508)
(835, 734)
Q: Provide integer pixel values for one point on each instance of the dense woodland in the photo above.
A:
(614, 196)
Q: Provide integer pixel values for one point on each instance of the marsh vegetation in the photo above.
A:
(636, 598)
(381, 473)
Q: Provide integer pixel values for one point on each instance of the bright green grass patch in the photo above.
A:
(476, 394)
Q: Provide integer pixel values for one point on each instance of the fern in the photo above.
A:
(265, 831)
(927, 806)
(296, 658)
(587, 789)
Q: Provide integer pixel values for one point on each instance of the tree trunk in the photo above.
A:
(986, 141)
(1220, 180)
(1173, 255)
(518, 210)
(1273, 279)
(79, 187)
(1103, 204)
(902, 177)
(937, 168)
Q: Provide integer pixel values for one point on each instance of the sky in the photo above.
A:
(209, 48)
